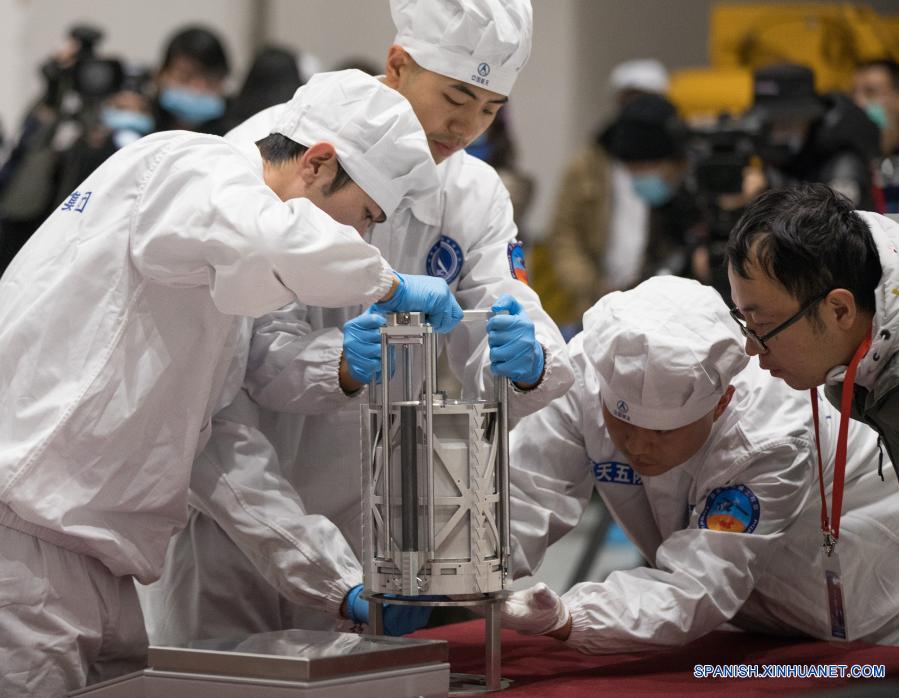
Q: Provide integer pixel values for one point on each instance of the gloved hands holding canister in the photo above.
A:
(362, 346)
(534, 611)
(514, 349)
(398, 619)
(426, 294)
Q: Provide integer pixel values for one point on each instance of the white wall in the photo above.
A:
(12, 65)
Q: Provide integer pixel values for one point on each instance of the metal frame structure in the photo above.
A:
(435, 481)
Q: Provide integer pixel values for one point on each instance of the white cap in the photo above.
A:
(643, 74)
(481, 42)
(664, 351)
(378, 139)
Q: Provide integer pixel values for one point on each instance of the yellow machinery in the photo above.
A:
(830, 38)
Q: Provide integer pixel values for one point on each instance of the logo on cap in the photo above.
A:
(621, 410)
(445, 259)
(481, 77)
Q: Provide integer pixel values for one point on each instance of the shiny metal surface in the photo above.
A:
(297, 655)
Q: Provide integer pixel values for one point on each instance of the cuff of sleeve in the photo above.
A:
(384, 283)
(350, 395)
(336, 591)
(327, 374)
(582, 627)
(547, 370)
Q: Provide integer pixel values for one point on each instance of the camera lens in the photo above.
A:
(95, 78)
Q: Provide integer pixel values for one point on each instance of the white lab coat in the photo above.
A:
(118, 328)
(303, 533)
(769, 580)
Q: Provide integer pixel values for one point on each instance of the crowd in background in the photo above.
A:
(92, 106)
(651, 194)
(654, 194)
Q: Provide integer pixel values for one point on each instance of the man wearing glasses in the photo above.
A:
(816, 289)
(709, 466)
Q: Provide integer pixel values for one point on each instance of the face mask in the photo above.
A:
(652, 189)
(191, 106)
(123, 120)
(877, 114)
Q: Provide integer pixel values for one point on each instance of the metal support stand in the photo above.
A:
(460, 684)
(435, 477)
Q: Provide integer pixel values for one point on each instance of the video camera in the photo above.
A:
(720, 153)
(90, 77)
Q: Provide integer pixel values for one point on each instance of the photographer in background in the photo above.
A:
(791, 134)
(726, 173)
(875, 88)
(77, 82)
(811, 137)
(122, 118)
(191, 83)
(650, 140)
(598, 234)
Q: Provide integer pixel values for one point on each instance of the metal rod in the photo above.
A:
(408, 394)
(375, 617)
(502, 397)
(385, 441)
(494, 646)
(409, 475)
(429, 362)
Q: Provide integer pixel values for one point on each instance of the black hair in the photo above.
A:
(201, 45)
(276, 149)
(273, 78)
(646, 128)
(888, 64)
(809, 239)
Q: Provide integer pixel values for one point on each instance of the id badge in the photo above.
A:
(833, 579)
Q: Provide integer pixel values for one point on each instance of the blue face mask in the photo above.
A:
(123, 120)
(877, 114)
(652, 189)
(191, 106)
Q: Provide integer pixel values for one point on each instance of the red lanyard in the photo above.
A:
(831, 528)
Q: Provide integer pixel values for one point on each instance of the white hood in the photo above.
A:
(885, 328)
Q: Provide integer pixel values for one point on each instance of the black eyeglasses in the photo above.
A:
(760, 341)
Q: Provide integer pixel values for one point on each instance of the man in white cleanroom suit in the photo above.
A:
(287, 543)
(710, 467)
(118, 327)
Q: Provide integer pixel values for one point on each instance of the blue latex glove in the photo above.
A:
(362, 346)
(398, 620)
(514, 349)
(426, 294)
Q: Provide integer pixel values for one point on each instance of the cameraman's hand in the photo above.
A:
(754, 183)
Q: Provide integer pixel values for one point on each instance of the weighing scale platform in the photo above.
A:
(304, 663)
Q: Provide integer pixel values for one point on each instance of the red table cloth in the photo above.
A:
(541, 666)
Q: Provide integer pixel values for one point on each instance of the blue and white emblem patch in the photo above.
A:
(734, 509)
(445, 259)
(615, 472)
(517, 266)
